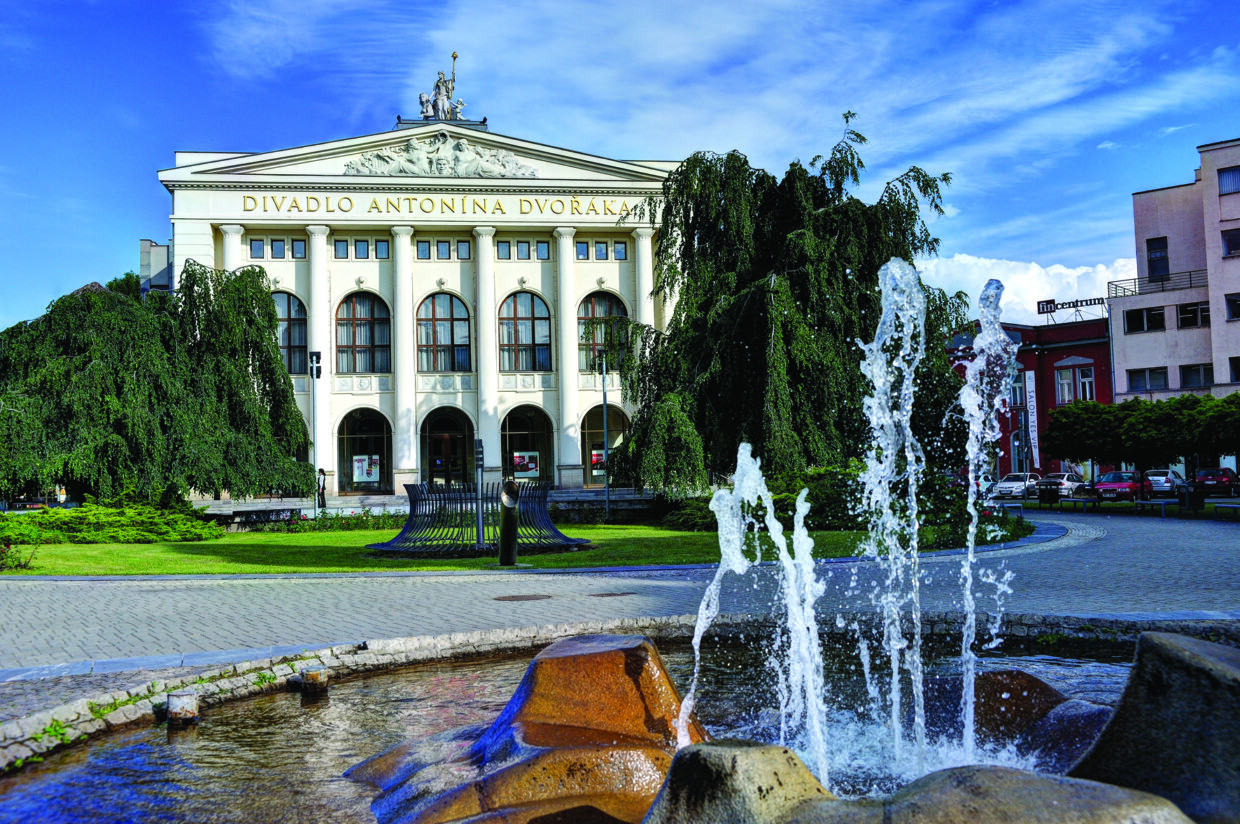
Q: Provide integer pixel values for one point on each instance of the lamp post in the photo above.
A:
(316, 372)
(606, 451)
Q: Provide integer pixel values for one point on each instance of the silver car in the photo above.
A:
(1166, 481)
(1017, 485)
(1065, 482)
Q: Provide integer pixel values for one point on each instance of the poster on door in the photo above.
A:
(598, 463)
(525, 464)
(365, 469)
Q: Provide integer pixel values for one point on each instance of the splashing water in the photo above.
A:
(801, 685)
(987, 377)
(893, 467)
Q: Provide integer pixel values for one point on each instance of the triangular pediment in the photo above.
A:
(436, 151)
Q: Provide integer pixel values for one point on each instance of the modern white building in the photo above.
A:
(1175, 328)
(443, 273)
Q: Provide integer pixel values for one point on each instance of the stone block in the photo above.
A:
(1176, 732)
(1058, 739)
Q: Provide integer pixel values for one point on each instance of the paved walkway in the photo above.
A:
(1114, 566)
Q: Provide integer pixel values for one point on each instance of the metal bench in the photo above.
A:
(1139, 505)
(1084, 502)
(1233, 507)
(1013, 509)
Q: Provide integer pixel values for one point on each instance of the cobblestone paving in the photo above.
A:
(1119, 566)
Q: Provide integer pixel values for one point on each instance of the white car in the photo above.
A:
(1065, 482)
(1165, 481)
(1017, 485)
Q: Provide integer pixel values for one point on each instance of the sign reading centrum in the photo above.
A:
(1046, 307)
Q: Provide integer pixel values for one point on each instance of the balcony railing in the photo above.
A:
(1159, 283)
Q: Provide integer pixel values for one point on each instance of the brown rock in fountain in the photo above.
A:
(588, 736)
(1007, 702)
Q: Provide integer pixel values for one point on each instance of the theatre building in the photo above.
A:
(444, 275)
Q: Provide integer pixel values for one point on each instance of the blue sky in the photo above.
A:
(1049, 113)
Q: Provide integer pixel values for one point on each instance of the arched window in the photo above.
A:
(363, 335)
(524, 334)
(443, 334)
(596, 305)
(292, 332)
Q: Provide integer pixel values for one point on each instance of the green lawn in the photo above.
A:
(237, 553)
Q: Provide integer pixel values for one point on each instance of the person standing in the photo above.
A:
(322, 489)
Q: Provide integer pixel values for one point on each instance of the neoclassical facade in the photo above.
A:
(442, 275)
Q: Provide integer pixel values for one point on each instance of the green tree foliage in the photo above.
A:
(774, 281)
(107, 392)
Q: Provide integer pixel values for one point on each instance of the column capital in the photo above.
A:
(318, 231)
(643, 232)
(400, 231)
(565, 231)
(233, 230)
(484, 231)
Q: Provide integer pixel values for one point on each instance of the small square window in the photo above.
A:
(1151, 319)
(277, 250)
(1231, 242)
(1197, 376)
(1229, 180)
(462, 250)
(583, 250)
(523, 250)
(443, 250)
(299, 250)
(382, 250)
(1193, 315)
(1233, 306)
(342, 250)
(622, 250)
(361, 249)
(503, 249)
(600, 250)
(424, 250)
(256, 249)
(544, 250)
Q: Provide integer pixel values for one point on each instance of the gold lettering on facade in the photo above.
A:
(541, 204)
(592, 209)
(393, 205)
(278, 202)
(374, 206)
(346, 199)
(478, 205)
(249, 203)
(447, 206)
(329, 204)
(316, 205)
(498, 208)
(624, 207)
(426, 205)
(408, 204)
(574, 206)
(526, 206)
(294, 206)
(607, 208)
(558, 211)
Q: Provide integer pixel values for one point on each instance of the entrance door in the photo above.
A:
(439, 448)
(447, 447)
(364, 450)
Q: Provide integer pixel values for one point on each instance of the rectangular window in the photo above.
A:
(1231, 242)
(600, 250)
(462, 250)
(1197, 375)
(382, 250)
(424, 250)
(277, 250)
(1150, 319)
(342, 250)
(1235, 369)
(443, 249)
(1063, 386)
(1229, 180)
(1018, 389)
(1233, 305)
(1159, 263)
(1145, 380)
(1085, 384)
(523, 250)
(299, 250)
(544, 250)
(256, 249)
(622, 250)
(1192, 315)
(503, 250)
(583, 250)
(361, 249)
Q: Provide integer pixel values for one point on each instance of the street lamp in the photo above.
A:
(316, 372)
(606, 452)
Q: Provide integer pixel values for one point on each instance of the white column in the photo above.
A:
(645, 274)
(319, 339)
(572, 473)
(486, 362)
(404, 353)
(233, 252)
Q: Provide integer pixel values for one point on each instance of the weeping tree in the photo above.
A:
(108, 392)
(773, 282)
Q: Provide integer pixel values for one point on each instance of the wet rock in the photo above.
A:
(996, 794)
(1058, 739)
(1007, 701)
(1176, 731)
(734, 782)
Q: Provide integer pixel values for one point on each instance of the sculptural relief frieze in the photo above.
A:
(440, 156)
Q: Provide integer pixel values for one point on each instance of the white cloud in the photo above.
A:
(1108, 145)
(1025, 283)
(1166, 131)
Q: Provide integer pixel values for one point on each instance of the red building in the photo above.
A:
(1058, 363)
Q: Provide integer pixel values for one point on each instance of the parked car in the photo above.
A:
(1064, 482)
(1017, 485)
(1165, 481)
(1124, 486)
(985, 485)
(1222, 481)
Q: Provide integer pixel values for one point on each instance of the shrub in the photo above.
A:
(93, 523)
(366, 518)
